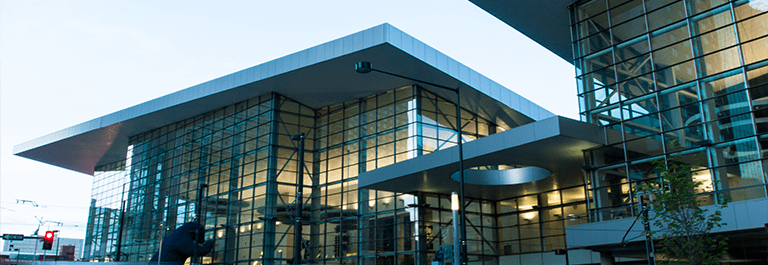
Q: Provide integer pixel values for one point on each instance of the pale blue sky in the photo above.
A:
(66, 62)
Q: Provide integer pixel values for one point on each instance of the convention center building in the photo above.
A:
(366, 163)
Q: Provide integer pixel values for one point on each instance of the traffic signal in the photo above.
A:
(48, 240)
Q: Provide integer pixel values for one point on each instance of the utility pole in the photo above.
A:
(58, 239)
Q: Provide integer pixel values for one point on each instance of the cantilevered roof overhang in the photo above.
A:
(317, 77)
(554, 144)
(545, 22)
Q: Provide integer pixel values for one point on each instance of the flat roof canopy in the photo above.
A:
(317, 77)
(554, 144)
(546, 22)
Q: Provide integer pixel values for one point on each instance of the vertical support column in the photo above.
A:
(606, 258)
(417, 123)
(297, 238)
(199, 235)
(316, 240)
(118, 252)
(421, 237)
(271, 196)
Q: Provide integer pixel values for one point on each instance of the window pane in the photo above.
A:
(665, 16)
(730, 128)
(678, 96)
(757, 76)
(759, 96)
(531, 245)
(753, 28)
(719, 62)
(632, 49)
(605, 76)
(672, 34)
(598, 60)
(713, 41)
(639, 107)
(680, 117)
(595, 43)
(725, 106)
(629, 30)
(698, 6)
(755, 51)
(722, 86)
(593, 25)
(672, 55)
(625, 12)
(675, 75)
(591, 8)
(635, 67)
(750, 8)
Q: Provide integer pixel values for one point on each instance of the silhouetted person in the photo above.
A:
(180, 245)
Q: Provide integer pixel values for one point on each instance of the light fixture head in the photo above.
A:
(455, 201)
(363, 67)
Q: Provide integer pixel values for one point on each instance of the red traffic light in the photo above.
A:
(48, 240)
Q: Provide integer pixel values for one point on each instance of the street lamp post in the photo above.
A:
(364, 67)
(299, 200)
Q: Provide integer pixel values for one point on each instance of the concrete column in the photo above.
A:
(606, 258)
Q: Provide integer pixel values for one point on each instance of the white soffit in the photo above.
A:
(317, 77)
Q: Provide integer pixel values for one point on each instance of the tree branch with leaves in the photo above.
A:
(683, 227)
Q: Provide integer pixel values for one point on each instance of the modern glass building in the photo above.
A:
(655, 73)
(380, 151)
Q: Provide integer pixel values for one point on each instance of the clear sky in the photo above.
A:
(66, 62)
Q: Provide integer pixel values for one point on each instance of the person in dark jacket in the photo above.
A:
(180, 245)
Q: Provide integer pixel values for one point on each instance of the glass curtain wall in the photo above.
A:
(245, 154)
(656, 72)
(536, 222)
(369, 226)
(105, 212)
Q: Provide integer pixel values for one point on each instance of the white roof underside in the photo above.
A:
(317, 77)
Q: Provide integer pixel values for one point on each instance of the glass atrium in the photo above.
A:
(659, 72)
(244, 153)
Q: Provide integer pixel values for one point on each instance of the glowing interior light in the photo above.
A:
(528, 216)
(454, 201)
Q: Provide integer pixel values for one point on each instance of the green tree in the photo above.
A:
(682, 226)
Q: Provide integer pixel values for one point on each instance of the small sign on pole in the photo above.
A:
(13, 237)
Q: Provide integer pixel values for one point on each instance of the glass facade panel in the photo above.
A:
(665, 16)
(245, 155)
(703, 89)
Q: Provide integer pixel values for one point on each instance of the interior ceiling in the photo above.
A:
(545, 22)
(322, 84)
